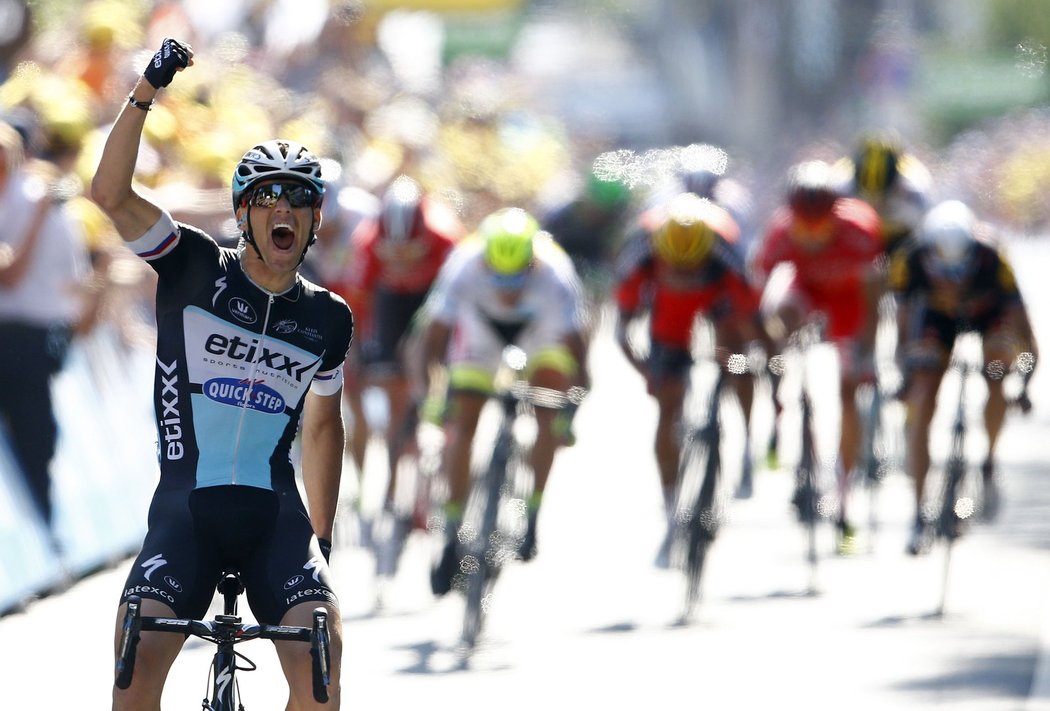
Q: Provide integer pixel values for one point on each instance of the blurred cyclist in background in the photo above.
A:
(687, 268)
(897, 185)
(590, 228)
(894, 182)
(330, 259)
(832, 244)
(511, 285)
(953, 281)
(394, 260)
(710, 181)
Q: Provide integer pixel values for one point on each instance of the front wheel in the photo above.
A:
(481, 562)
(703, 518)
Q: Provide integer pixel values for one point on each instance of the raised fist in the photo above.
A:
(171, 57)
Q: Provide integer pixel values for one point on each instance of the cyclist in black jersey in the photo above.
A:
(955, 280)
(246, 348)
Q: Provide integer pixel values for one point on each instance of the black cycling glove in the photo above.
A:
(326, 549)
(172, 56)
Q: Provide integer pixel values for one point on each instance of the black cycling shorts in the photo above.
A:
(668, 363)
(194, 537)
(938, 333)
(391, 318)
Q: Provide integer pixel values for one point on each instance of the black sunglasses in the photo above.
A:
(297, 195)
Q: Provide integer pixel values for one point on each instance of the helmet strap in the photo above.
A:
(311, 240)
(248, 235)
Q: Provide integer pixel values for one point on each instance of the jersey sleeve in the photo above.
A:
(329, 377)
(177, 252)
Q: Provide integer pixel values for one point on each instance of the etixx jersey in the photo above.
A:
(234, 361)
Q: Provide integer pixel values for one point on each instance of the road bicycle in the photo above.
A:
(956, 503)
(225, 631)
(961, 490)
(419, 492)
(811, 506)
(882, 445)
(699, 507)
(495, 519)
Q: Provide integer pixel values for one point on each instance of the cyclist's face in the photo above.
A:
(281, 216)
(812, 234)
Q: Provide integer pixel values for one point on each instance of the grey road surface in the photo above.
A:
(592, 623)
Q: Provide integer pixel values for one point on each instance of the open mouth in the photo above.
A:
(282, 237)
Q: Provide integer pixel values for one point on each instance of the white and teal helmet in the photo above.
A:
(276, 159)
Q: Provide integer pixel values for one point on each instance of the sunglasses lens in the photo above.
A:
(296, 195)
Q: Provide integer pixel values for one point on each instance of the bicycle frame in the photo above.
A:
(489, 548)
(225, 631)
(954, 508)
(872, 465)
(698, 524)
(486, 550)
(807, 497)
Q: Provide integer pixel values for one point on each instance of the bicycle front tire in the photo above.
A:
(480, 563)
(701, 524)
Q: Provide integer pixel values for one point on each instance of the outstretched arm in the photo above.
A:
(323, 437)
(111, 188)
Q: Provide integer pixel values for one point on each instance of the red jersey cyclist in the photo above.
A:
(511, 285)
(832, 243)
(686, 267)
(395, 258)
(955, 281)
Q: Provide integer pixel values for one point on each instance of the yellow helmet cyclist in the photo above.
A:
(685, 237)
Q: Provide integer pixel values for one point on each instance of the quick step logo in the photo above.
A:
(244, 393)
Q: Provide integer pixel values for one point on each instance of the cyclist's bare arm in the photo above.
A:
(111, 188)
(436, 338)
(577, 345)
(874, 284)
(623, 322)
(1026, 333)
(323, 436)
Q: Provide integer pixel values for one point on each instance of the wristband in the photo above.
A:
(144, 105)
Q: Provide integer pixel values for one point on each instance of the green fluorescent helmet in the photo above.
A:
(508, 235)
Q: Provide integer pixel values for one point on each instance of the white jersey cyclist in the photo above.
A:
(545, 309)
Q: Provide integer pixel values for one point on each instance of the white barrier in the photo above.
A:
(103, 473)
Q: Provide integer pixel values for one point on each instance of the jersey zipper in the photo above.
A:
(251, 386)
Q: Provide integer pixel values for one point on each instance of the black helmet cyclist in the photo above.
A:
(876, 164)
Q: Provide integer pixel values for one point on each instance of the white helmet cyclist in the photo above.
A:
(401, 210)
(948, 232)
(275, 160)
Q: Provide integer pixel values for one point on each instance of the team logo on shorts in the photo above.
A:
(293, 581)
(173, 583)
